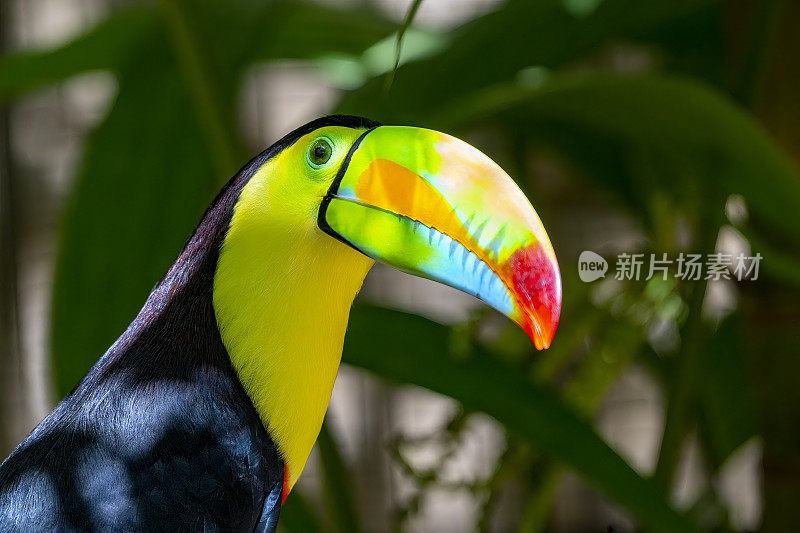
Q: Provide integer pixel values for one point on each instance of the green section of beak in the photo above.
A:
(432, 205)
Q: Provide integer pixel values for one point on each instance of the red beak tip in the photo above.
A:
(540, 334)
(537, 287)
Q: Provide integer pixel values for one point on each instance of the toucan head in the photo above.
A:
(425, 203)
(329, 199)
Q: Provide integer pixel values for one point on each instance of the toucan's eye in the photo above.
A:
(320, 152)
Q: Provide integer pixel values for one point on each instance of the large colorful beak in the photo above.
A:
(434, 206)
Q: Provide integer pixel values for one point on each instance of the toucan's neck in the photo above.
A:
(282, 297)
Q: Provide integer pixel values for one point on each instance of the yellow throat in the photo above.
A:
(282, 296)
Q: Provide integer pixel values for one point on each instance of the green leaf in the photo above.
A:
(243, 32)
(496, 47)
(106, 47)
(671, 115)
(306, 30)
(410, 349)
(142, 187)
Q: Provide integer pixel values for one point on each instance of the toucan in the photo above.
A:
(201, 416)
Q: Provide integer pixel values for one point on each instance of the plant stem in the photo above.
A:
(681, 395)
(336, 479)
(398, 47)
(539, 505)
(683, 383)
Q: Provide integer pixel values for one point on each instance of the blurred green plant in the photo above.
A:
(638, 101)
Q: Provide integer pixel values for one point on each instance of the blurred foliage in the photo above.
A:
(650, 109)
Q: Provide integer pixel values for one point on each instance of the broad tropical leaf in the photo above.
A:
(411, 349)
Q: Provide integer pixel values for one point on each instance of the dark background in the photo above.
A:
(665, 126)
